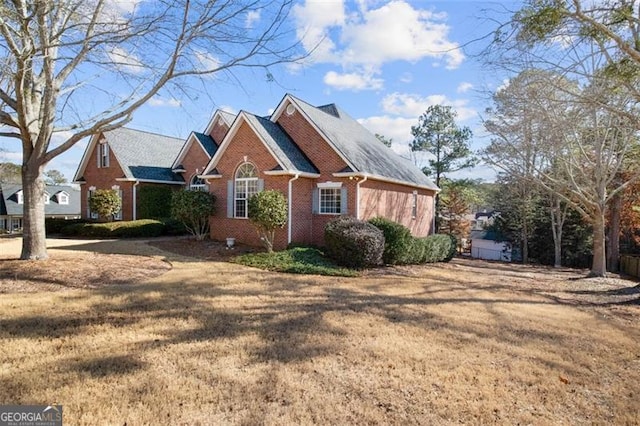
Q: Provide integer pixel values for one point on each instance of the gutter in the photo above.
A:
(135, 200)
(289, 230)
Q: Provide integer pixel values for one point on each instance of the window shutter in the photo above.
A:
(343, 201)
(260, 185)
(315, 199)
(106, 155)
(98, 149)
(230, 198)
(88, 205)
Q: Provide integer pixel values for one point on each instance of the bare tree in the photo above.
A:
(74, 68)
(577, 152)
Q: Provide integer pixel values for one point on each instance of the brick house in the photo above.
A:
(323, 161)
(126, 159)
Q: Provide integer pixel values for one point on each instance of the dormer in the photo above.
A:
(62, 197)
(19, 197)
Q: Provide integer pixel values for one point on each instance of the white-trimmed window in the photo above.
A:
(90, 214)
(414, 207)
(330, 198)
(198, 184)
(103, 155)
(118, 215)
(245, 186)
(63, 197)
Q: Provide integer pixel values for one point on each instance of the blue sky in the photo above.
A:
(384, 62)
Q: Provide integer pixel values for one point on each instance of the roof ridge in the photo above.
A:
(147, 132)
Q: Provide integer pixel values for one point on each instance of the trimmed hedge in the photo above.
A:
(397, 241)
(154, 202)
(145, 228)
(354, 243)
(54, 225)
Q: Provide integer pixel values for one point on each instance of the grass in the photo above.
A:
(217, 343)
(297, 260)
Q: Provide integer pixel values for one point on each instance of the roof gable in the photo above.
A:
(206, 143)
(141, 155)
(289, 157)
(220, 116)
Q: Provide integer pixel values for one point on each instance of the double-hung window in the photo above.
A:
(245, 186)
(329, 198)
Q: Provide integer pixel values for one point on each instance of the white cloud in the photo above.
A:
(504, 85)
(125, 60)
(411, 105)
(406, 77)
(205, 60)
(464, 87)
(352, 81)
(363, 40)
(253, 16)
(158, 101)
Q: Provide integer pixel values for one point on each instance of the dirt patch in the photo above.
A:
(207, 249)
(70, 270)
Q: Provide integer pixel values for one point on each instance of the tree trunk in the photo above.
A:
(525, 242)
(599, 264)
(34, 244)
(613, 252)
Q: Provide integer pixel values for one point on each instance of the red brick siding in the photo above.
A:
(194, 161)
(218, 132)
(395, 202)
(105, 178)
(244, 143)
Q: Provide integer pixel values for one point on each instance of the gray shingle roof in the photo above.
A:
(207, 142)
(9, 201)
(285, 150)
(361, 148)
(144, 155)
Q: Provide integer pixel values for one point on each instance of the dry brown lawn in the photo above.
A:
(206, 342)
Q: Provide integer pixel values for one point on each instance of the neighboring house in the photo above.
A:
(126, 159)
(324, 162)
(488, 246)
(483, 218)
(60, 201)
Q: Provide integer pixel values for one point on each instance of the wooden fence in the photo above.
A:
(630, 265)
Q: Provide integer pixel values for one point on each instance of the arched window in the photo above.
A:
(246, 185)
(197, 184)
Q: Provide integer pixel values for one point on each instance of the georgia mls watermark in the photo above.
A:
(30, 415)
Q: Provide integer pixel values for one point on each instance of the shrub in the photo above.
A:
(145, 228)
(354, 243)
(173, 226)
(153, 202)
(54, 225)
(397, 240)
(431, 249)
(105, 202)
(193, 209)
(268, 212)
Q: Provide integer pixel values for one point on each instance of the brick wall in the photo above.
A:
(194, 161)
(105, 178)
(395, 202)
(219, 131)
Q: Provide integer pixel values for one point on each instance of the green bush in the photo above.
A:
(397, 240)
(268, 212)
(193, 209)
(354, 243)
(154, 202)
(106, 203)
(145, 228)
(54, 225)
(173, 226)
(431, 249)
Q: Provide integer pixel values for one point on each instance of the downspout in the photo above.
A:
(358, 196)
(289, 230)
(135, 200)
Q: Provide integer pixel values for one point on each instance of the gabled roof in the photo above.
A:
(287, 153)
(9, 200)
(486, 234)
(360, 149)
(208, 145)
(142, 155)
(226, 117)
(290, 158)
